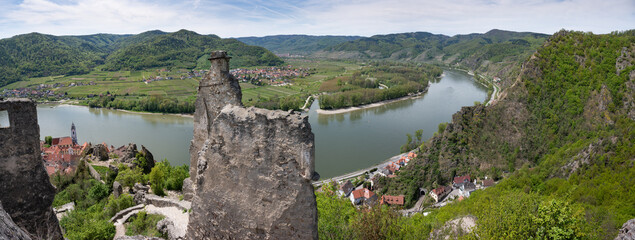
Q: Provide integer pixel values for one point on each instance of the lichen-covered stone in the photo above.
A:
(25, 189)
(251, 169)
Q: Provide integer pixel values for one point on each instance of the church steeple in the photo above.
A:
(73, 134)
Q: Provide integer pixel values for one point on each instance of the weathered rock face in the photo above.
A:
(216, 89)
(25, 190)
(627, 232)
(252, 175)
(8, 229)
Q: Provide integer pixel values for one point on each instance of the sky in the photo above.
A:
(241, 18)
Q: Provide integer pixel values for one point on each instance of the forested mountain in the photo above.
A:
(496, 53)
(36, 55)
(564, 131)
(296, 44)
(185, 49)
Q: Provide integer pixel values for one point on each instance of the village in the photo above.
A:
(275, 76)
(359, 188)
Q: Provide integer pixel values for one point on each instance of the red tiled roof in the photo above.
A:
(461, 179)
(66, 141)
(440, 190)
(392, 200)
(364, 192)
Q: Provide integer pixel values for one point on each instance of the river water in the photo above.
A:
(344, 142)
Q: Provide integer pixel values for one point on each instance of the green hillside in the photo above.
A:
(36, 55)
(563, 135)
(39, 55)
(496, 53)
(296, 44)
(184, 49)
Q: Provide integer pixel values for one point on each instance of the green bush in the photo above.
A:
(144, 224)
(129, 176)
(157, 180)
(115, 205)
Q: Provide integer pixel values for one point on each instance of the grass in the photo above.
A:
(102, 170)
(130, 85)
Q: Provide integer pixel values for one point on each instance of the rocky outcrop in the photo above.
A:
(25, 189)
(252, 175)
(8, 229)
(627, 232)
(97, 152)
(129, 157)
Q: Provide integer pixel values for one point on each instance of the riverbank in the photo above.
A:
(371, 105)
(74, 103)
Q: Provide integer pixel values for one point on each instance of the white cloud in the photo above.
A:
(232, 18)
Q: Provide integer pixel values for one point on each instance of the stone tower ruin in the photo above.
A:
(251, 169)
(26, 193)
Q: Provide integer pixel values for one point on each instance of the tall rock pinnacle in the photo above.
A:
(252, 168)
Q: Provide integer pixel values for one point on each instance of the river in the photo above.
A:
(344, 142)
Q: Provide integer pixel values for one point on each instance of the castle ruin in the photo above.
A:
(26, 192)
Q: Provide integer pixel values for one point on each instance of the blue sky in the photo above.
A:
(239, 18)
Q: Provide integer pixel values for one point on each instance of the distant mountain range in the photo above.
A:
(496, 53)
(36, 55)
(297, 44)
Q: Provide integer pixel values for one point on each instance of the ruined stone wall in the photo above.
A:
(26, 192)
(253, 171)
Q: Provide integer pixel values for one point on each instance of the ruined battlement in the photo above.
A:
(27, 193)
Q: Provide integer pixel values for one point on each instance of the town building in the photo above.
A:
(63, 153)
(346, 189)
(364, 196)
(439, 193)
(459, 181)
(392, 200)
(467, 188)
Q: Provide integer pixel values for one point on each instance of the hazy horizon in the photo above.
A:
(240, 18)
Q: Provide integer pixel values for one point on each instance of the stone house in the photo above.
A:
(363, 195)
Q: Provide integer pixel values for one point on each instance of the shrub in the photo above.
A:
(129, 176)
(144, 224)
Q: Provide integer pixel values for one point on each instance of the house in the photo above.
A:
(392, 200)
(392, 168)
(459, 181)
(467, 188)
(363, 196)
(439, 193)
(346, 188)
(488, 183)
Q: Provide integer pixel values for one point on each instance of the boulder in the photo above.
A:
(117, 189)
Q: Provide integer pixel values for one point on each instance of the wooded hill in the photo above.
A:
(37, 55)
(296, 44)
(496, 53)
(564, 132)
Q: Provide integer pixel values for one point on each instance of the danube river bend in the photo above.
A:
(344, 142)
